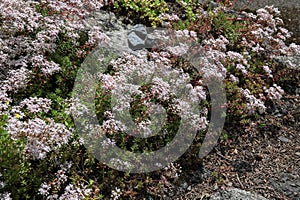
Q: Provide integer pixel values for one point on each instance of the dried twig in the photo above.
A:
(238, 178)
(224, 157)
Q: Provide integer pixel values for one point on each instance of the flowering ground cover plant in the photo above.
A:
(43, 44)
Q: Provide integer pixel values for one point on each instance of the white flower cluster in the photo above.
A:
(75, 107)
(47, 68)
(16, 79)
(238, 60)
(80, 192)
(20, 21)
(36, 105)
(267, 36)
(217, 44)
(111, 125)
(268, 71)
(26, 37)
(107, 143)
(173, 170)
(96, 36)
(107, 82)
(116, 193)
(44, 189)
(168, 17)
(253, 103)
(120, 164)
(4, 101)
(186, 34)
(42, 137)
(5, 195)
(274, 92)
(211, 64)
(134, 72)
(71, 191)
(234, 78)
(2, 185)
(31, 105)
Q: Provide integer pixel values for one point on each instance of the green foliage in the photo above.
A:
(143, 9)
(229, 26)
(21, 178)
(189, 7)
(65, 56)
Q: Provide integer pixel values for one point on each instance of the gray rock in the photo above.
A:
(236, 194)
(116, 30)
(155, 36)
(140, 30)
(141, 37)
(135, 42)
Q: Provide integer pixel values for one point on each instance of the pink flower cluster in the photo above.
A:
(42, 137)
(274, 92)
(71, 191)
(134, 71)
(253, 104)
(36, 105)
(168, 17)
(27, 36)
(5, 195)
(267, 35)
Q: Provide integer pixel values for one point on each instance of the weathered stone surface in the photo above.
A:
(140, 31)
(113, 27)
(288, 184)
(137, 37)
(236, 194)
(142, 37)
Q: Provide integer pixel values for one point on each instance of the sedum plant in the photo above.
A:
(43, 44)
(148, 10)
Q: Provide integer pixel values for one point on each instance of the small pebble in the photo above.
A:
(283, 139)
